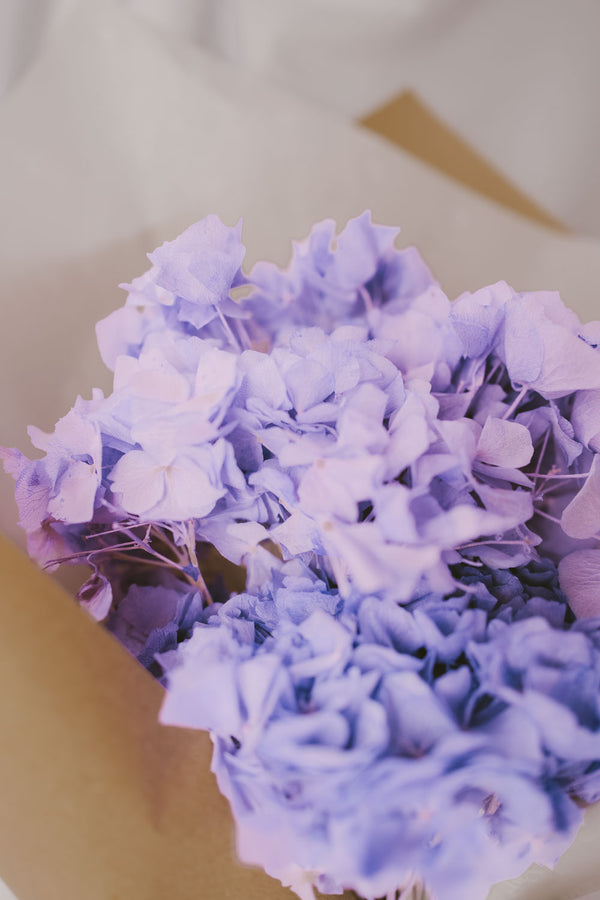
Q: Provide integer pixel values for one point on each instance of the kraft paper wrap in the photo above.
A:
(99, 802)
(407, 123)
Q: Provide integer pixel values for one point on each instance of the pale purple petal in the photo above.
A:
(581, 517)
(96, 596)
(586, 418)
(504, 443)
(580, 580)
(200, 267)
(477, 317)
(139, 481)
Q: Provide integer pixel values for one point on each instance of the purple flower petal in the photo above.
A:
(580, 580)
(96, 596)
(200, 267)
(586, 418)
(503, 443)
(581, 517)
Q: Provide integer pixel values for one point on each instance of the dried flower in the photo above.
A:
(406, 682)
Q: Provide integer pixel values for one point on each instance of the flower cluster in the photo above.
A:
(363, 741)
(367, 518)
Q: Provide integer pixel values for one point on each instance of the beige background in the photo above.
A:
(114, 138)
(518, 78)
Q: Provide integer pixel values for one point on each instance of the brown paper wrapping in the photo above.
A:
(98, 801)
(406, 122)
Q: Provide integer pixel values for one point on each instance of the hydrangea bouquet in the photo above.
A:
(353, 527)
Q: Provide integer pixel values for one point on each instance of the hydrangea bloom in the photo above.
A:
(475, 709)
(368, 516)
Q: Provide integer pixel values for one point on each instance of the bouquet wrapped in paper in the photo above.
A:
(353, 528)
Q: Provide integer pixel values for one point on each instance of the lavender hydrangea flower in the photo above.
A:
(323, 287)
(199, 268)
(153, 619)
(352, 737)
(365, 514)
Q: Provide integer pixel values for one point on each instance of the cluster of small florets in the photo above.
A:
(354, 528)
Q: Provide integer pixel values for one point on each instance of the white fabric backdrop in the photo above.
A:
(115, 135)
(518, 78)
